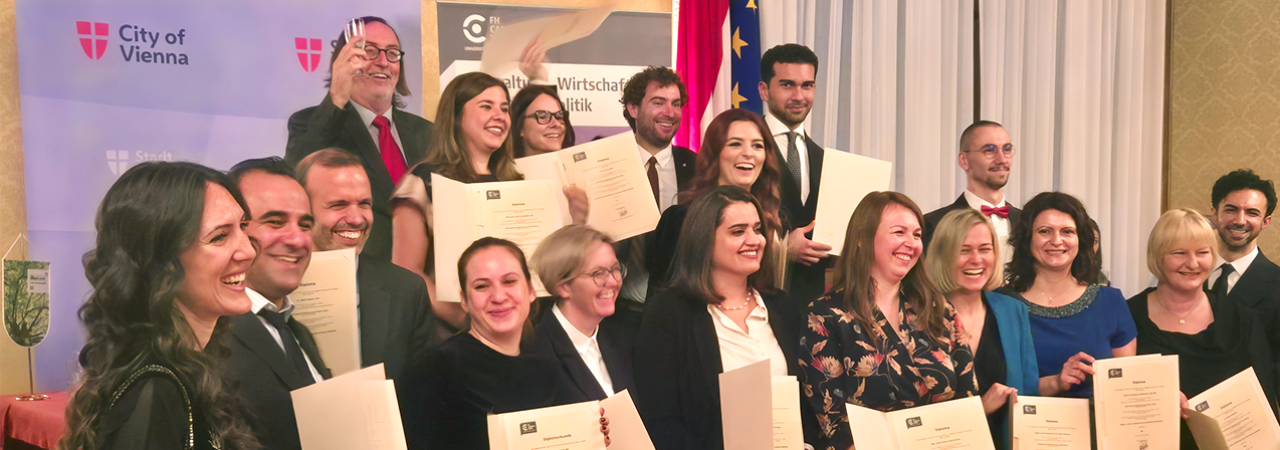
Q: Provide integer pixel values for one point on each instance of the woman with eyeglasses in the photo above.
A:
(583, 328)
(539, 122)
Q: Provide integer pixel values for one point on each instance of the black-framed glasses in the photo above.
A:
(393, 54)
(544, 117)
(601, 276)
(990, 150)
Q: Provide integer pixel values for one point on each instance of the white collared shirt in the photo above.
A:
(739, 348)
(257, 303)
(779, 131)
(367, 116)
(1240, 265)
(1001, 223)
(588, 348)
(668, 185)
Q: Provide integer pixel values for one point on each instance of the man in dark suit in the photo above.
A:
(986, 156)
(396, 324)
(787, 83)
(1242, 207)
(361, 115)
(270, 352)
(653, 102)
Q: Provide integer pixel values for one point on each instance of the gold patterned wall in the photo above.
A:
(1224, 99)
(13, 206)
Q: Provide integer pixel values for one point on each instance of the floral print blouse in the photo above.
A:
(840, 362)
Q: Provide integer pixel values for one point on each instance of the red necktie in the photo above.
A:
(391, 155)
(1002, 211)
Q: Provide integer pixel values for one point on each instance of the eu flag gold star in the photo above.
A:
(736, 98)
(738, 43)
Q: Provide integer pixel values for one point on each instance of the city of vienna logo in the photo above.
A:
(1029, 409)
(913, 422)
(93, 38)
(308, 53)
(473, 28)
(528, 428)
(1202, 406)
(1115, 373)
(118, 161)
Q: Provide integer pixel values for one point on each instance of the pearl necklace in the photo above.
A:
(750, 300)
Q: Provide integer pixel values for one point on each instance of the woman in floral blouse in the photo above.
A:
(883, 337)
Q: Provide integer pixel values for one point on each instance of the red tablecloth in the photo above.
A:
(37, 423)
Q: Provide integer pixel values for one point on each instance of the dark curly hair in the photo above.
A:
(147, 218)
(519, 108)
(707, 166)
(1240, 180)
(1020, 273)
(638, 85)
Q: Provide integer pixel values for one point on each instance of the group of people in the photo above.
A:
(192, 344)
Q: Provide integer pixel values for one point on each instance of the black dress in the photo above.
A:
(990, 367)
(445, 398)
(154, 409)
(1233, 342)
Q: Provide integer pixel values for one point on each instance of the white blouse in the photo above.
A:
(740, 348)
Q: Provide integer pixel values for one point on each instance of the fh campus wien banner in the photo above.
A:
(106, 85)
(589, 72)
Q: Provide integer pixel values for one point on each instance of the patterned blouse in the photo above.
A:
(840, 362)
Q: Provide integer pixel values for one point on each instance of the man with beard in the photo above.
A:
(653, 101)
(270, 352)
(1242, 207)
(396, 324)
(986, 156)
(787, 83)
(361, 114)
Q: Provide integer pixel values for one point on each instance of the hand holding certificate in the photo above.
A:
(327, 302)
(846, 179)
(952, 425)
(505, 45)
(1136, 402)
(1234, 415)
(759, 411)
(1047, 423)
(571, 427)
(356, 410)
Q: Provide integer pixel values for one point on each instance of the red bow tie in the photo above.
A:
(1002, 211)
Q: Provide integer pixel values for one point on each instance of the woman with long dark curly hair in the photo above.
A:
(170, 260)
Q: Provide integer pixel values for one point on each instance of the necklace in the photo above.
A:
(750, 300)
(1059, 293)
(1182, 320)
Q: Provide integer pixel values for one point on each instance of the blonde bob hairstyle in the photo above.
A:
(561, 253)
(944, 249)
(1175, 227)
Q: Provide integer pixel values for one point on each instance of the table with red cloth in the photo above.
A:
(38, 424)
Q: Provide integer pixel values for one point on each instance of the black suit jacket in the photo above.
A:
(677, 368)
(631, 252)
(396, 324)
(804, 283)
(265, 376)
(933, 217)
(325, 125)
(1259, 288)
(615, 339)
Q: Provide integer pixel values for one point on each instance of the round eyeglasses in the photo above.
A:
(601, 276)
(990, 150)
(394, 55)
(544, 117)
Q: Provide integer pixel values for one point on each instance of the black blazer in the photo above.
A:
(677, 368)
(632, 252)
(932, 218)
(804, 283)
(325, 125)
(616, 341)
(265, 376)
(396, 324)
(1258, 287)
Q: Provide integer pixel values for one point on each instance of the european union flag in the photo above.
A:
(744, 41)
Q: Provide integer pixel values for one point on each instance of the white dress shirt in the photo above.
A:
(257, 303)
(668, 185)
(1240, 265)
(780, 137)
(367, 116)
(588, 348)
(1001, 223)
(739, 348)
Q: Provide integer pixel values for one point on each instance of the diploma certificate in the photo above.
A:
(1136, 402)
(952, 425)
(1234, 415)
(356, 410)
(610, 172)
(760, 411)
(523, 212)
(846, 179)
(571, 427)
(505, 45)
(1048, 423)
(326, 302)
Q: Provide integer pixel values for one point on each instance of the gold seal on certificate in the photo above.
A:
(846, 179)
(1234, 415)
(951, 425)
(1136, 402)
(571, 427)
(1047, 423)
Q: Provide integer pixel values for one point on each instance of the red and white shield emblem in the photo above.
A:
(93, 38)
(308, 53)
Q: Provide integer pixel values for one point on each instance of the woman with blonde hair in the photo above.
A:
(1214, 337)
(963, 262)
